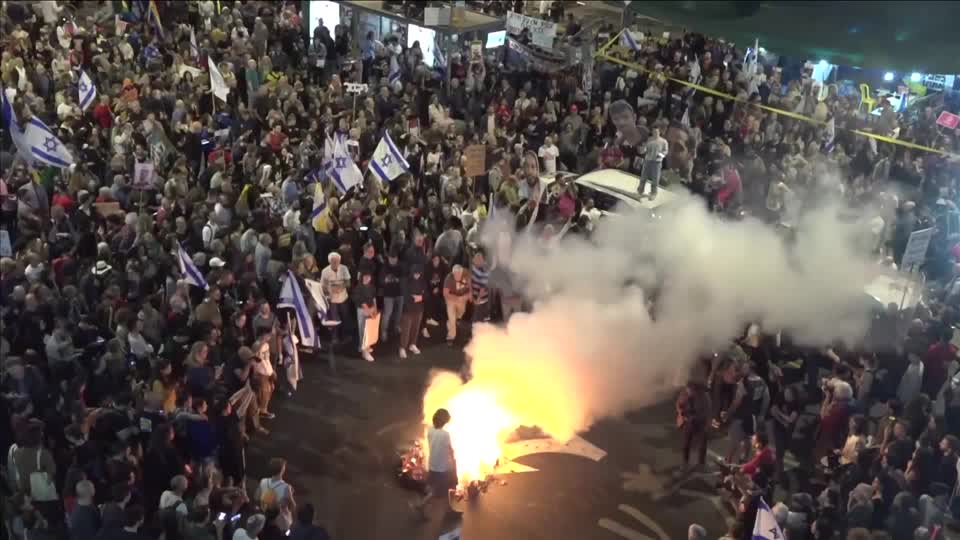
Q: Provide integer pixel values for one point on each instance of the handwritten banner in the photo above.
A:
(542, 33)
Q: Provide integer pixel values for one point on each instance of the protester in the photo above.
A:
(145, 319)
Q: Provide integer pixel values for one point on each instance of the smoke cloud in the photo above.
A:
(590, 348)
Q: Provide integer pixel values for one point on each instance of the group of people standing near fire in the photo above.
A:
(132, 395)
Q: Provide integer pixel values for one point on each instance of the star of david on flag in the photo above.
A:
(766, 526)
(35, 142)
(87, 91)
(388, 163)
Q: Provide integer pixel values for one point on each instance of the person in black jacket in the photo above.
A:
(415, 293)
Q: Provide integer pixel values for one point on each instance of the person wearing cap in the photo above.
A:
(456, 296)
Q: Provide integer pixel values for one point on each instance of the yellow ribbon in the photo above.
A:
(602, 54)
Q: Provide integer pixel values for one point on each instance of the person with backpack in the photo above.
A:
(274, 491)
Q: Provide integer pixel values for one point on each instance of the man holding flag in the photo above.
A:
(388, 163)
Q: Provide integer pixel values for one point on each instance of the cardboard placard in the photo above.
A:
(143, 176)
(948, 120)
(916, 251)
(475, 160)
(107, 209)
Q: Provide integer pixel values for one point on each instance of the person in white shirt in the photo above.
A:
(442, 464)
(173, 497)
(334, 280)
(653, 153)
(549, 153)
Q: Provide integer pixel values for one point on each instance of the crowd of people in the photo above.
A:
(132, 393)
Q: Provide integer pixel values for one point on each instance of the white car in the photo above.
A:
(613, 191)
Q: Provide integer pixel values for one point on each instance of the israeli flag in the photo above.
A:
(194, 49)
(766, 526)
(88, 91)
(341, 168)
(631, 42)
(189, 270)
(388, 162)
(439, 59)
(394, 76)
(292, 297)
(34, 141)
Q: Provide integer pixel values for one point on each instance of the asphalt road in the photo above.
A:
(341, 435)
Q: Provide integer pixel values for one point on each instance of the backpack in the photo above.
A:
(269, 498)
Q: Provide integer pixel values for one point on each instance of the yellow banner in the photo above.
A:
(603, 54)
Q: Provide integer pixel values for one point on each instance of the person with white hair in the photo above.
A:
(173, 497)
(84, 521)
(456, 295)
(335, 282)
(252, 529)
(696, 532)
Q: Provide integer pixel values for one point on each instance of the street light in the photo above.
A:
(916, 77)
(888, 76)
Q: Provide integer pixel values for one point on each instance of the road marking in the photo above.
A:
(576, 446)
(715, 500)
(621, 530)
(643, 518)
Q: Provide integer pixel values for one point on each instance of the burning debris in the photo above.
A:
(412, 474)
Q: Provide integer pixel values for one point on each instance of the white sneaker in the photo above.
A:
(367, 356)
(425, 333)
(432, 322)
(414, 349)
(403, 354)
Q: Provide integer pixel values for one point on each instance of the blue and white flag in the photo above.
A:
(439, 59)
(189, 270)
(766, 526)
(34, 141)
(341, 168)
(631, 42)
(194, 48)
(394, 75)
(388, 162)
(87, 91)
(292, 297)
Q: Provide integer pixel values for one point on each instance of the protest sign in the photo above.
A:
(948, 120)
(542, 32)
(475, 160)
(916, 251)
(143, 176)
(356, 88)
(107, 209)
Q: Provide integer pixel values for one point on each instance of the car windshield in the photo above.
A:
(632, 195)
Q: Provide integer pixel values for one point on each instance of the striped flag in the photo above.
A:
(388, 162)
(394, 76)
(341, 168)
(34, 140)
(189, 270)
(87, 91)
(766, 527)
(292, 297)
(194, 49)
(120, 25)
(153, 13)
(631, 42)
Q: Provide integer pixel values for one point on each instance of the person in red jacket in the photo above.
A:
(102, 113)
(936, 362)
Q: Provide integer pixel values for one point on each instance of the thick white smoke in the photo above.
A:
(590, 347)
